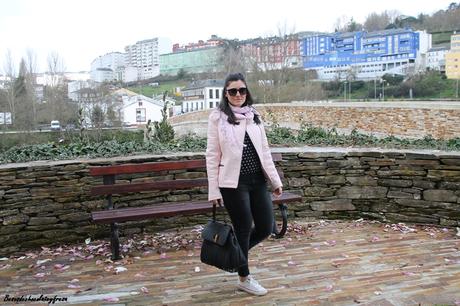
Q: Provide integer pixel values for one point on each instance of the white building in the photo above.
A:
(145, 57)
(106, 67)
(436, 58)
(75, 88)
(202, 95)
(137, 110)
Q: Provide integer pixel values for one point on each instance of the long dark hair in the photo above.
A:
(224, 104)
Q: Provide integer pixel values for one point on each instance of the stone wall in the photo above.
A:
(45, 203)
(408, 119)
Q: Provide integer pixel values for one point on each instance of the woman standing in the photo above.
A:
(239, 162)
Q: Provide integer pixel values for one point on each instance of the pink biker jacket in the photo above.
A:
(223, 162)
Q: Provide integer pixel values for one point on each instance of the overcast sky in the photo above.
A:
(81, 30)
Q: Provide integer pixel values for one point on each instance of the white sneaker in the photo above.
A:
(251, 286)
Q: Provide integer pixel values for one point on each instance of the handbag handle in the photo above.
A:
(214, 213)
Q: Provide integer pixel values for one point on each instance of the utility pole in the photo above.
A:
(383, 90)
(345, 91)
(456, 92)
(375, 89)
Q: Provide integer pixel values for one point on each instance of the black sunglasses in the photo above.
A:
(232, 91)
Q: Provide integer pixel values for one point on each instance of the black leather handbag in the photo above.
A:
(220, 247)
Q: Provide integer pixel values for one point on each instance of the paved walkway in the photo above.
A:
(319, 263)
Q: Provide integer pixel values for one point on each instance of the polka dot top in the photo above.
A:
(250, 162)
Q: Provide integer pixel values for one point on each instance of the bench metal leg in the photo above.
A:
(115, 241)
(280, 234)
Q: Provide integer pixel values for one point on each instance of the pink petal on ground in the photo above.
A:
(39, 275)
(72, 286)
(99, 262)
(190, 253)
(144, 290)
(291, 263)
(197, 269)
(75, 280)
(111, 299)
(139, 275)
(329, 288)
(408, 273)
(375, 239)
(163, 255)
(58, 266)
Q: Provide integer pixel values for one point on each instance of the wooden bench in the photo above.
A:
(113, 215)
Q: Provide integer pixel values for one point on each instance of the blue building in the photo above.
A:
(363, 55)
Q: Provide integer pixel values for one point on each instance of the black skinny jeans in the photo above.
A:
(249, 203)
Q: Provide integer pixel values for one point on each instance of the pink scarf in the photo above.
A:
(228, 130)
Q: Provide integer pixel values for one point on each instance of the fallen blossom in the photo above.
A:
(40, 262)
(140, 275)
(73, 286)
(134, 293)
(111, 299)
(406, 273)
(39, 275)
(3, 258)
(329, 288)
(88, 240)
(163, 256)
(75, 280)
(197, 269)
(120, 269)
(375, 239)
(190, 253)
(3, 267)
(99, 262)
(377, 292)
(144, 290)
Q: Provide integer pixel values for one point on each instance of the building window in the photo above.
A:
(140, 114)
(210, 94)
(210, 104)
(217, 93)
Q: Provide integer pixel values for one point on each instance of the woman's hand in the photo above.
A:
(278, 192)
(217, 202)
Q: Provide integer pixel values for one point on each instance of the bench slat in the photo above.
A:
(169, 210)
(148, 186)
(147, 167)
(156, 166)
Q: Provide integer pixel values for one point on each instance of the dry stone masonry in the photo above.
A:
(45, 203)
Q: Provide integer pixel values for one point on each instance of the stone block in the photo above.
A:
(437, 195)
(362, 192)
(332, 205)
(75, 217)
(318, 192)
(42, 220)
(15, 219)
(328, 180)
(362, 180)
(298, 182)
(394, 183)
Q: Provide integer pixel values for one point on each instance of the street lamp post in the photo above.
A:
(345, 91)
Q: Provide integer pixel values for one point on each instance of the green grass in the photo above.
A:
(149, 91)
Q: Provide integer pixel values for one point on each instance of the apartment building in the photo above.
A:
(144, 56)
(195, 61)
(453, 58)
(202, 95)
(366, 55)
(436, 59)
(107, 67)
